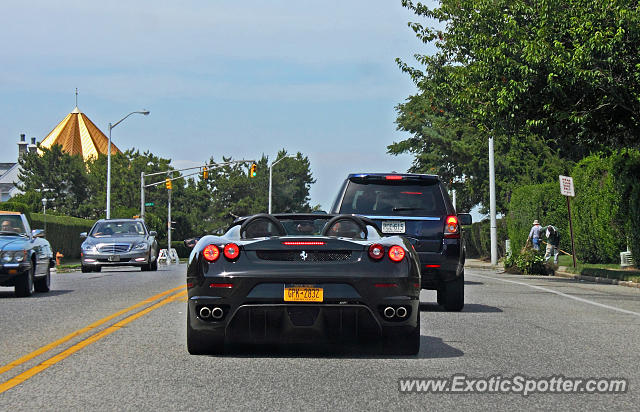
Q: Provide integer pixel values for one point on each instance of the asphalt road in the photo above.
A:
(511, 325)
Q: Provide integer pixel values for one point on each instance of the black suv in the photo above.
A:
(418, 207)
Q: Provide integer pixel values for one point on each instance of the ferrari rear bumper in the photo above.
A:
(303, 323)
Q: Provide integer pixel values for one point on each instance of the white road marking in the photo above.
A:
(590, 302)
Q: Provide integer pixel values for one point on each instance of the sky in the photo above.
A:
(220, 78)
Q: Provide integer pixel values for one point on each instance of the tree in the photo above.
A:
(125, 183)
(233, 193)
(566, 71)
(457, 152)
(55, 175)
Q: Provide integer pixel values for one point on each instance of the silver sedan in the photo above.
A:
(119, 242)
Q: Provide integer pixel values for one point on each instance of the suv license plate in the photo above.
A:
(114, 258)
(393, 227)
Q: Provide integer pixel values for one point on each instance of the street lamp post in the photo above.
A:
(44, 211)
(271, 177)
(111, 126)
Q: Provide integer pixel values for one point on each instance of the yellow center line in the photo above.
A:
(72, 335)
(86, 342)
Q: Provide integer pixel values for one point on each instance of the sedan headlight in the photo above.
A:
(7, 257)
(19, 256)
(11, 256)
(88, 248)
(141, 246)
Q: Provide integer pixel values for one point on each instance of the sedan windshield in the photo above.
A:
(107, 229)
(11, 224)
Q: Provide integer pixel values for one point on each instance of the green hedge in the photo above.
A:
(599, 228)
(183, 251)
(605, 210)
(478, 238)
(63, 232)
(626, 171)
(542, 202)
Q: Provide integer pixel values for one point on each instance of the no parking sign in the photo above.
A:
(566, 188)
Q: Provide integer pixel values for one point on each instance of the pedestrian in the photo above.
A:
(534, 235)
(553, 242)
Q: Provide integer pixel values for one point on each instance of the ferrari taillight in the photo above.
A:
(231, 251)
(376, 251)
(396, 253)
(211, 253)
(451, 227)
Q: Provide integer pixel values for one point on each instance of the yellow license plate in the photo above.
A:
(303, 294)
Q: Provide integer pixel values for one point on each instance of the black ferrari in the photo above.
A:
(300, 279)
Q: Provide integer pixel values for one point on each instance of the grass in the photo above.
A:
(604, 270)
(564, 260)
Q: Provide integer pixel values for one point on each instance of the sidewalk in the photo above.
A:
(561, 272)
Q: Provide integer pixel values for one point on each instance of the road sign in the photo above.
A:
(566, 186)
(149, 204)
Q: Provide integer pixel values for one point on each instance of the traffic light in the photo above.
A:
(168, 184)
(253, 171)
(205, 173)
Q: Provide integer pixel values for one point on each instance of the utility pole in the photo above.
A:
(169, 259)
(44, 212)
(142, 195)
(492, 205)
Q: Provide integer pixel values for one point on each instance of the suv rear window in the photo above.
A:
(393, 198)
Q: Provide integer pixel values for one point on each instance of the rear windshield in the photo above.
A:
(393, 198)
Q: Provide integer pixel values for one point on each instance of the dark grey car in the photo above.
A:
(119, 242)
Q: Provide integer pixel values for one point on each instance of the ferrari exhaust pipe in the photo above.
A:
(401, 312)
(216, 313)
(389, 312)
(205, 312)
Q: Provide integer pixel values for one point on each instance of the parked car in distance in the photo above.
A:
(416, 206)
(26, 257)
(119, 242)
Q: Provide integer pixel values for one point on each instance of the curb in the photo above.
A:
(595, 279)
(559, 274)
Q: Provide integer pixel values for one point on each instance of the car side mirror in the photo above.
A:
(83, 235)
(37, 233)
(465, 219)
(190, 243)
(153, 233)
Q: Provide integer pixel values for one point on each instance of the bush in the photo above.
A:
(181, 249)
(599, 227)
(605, 210)
(478, 238)
(527, 262)
(542, 202)
(63, 232)
(626, 170)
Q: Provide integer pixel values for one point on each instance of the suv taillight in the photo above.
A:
(451, 228)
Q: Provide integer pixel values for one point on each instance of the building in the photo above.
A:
(77, 135)
(9, 171)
